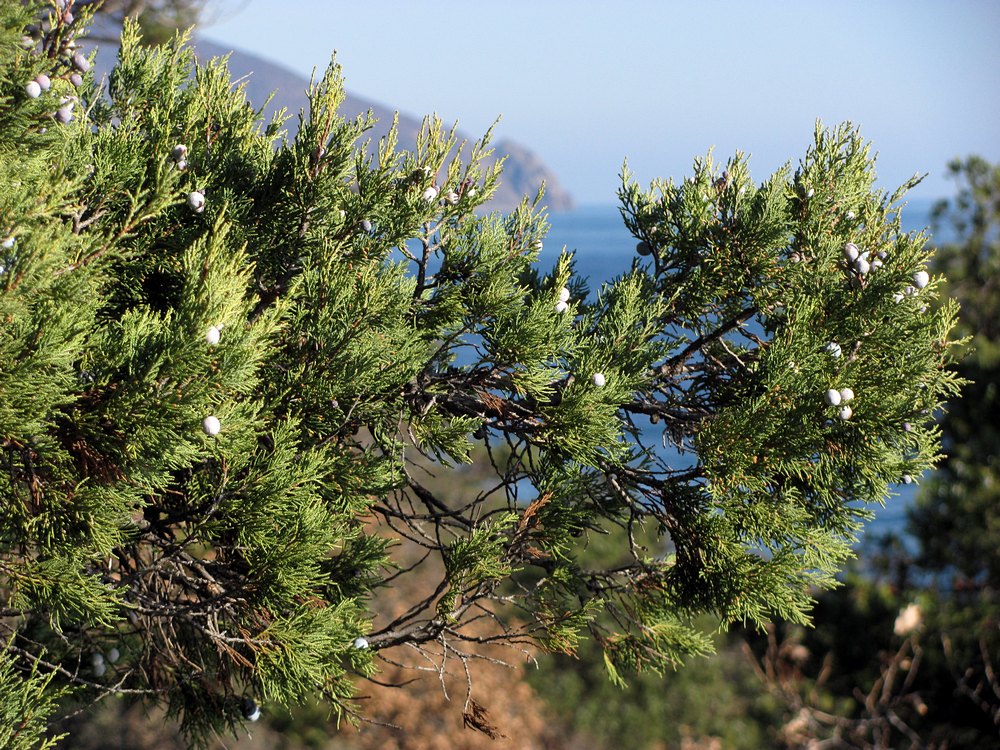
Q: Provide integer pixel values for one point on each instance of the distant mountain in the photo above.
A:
(523, 172)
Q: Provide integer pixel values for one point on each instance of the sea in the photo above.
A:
(604, 250)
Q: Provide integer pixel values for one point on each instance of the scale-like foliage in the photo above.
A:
(230, 362)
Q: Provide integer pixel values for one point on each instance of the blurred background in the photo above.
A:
(906, 653)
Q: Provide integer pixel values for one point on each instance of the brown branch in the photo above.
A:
(669, 368)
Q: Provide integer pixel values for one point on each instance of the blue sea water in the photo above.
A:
(604, 249)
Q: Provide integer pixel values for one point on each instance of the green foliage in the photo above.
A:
(925, 672)
(232, 358)
(473, 561)
(26, 703)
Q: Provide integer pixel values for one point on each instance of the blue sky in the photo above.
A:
(587, 84)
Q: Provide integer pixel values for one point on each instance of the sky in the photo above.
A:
(588, 84)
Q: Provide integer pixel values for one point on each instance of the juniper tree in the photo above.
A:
(926, 673)
(235, 365)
